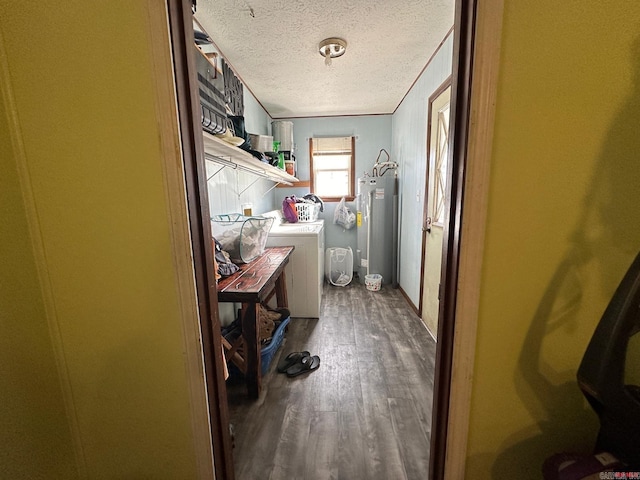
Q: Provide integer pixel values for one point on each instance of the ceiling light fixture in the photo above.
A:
(332, 48)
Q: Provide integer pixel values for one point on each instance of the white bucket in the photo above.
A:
(373, 281)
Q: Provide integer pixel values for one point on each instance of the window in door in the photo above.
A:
(332, 166)
(441, 163)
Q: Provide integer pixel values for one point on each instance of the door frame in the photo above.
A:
(425, 211)
(477, 39)
(463, 49)
(181, 30)
(476, 68)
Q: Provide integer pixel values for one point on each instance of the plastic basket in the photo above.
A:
(373, 281)
(243, 237)
(307, 212)
(267, 352)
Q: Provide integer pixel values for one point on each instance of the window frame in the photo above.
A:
(352, 171)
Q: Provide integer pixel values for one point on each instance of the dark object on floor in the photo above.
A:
(307, 364)
(602, 378)
(574, 466)
(290, 360)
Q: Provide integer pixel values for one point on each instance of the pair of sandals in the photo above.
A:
(297, 363)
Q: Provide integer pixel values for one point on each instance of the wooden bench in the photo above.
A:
(256, 282)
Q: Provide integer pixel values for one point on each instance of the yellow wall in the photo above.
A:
(34, 430)
(81, 76)
(563, 225)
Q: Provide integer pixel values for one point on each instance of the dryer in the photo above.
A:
(305, 270)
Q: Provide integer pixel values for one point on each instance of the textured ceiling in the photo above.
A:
(275, 51)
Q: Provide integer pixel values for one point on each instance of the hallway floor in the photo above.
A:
(364, 414)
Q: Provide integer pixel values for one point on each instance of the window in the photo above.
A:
(441, 165)
(332, 167)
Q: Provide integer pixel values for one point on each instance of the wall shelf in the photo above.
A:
(300, 183)
(220, 152)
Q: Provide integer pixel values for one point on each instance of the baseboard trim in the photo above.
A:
(406, 297)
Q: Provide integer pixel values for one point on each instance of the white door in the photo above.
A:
(435, 206)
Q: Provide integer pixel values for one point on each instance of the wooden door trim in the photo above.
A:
(486, 63)
(476, 64)
(463, 44)
(181, 30)
(174, 177)
(423, 255)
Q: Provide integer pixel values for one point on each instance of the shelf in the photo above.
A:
(219, 151)
(301, 183)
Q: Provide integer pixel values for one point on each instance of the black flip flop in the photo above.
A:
(307, 364)
(292, 359)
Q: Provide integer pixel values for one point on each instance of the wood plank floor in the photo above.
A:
(364, 414)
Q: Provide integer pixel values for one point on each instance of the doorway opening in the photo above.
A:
(182, 37)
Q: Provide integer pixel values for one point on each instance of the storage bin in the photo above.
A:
(307, 212)
(261, 143)
(373, 281)
(241, 236)
(339, 266)
(267, 353)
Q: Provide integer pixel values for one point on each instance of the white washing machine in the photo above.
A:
(305, 270)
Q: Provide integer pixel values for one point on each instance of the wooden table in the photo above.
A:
(254, 283)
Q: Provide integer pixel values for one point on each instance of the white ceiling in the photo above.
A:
(275, 51)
